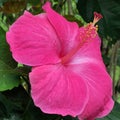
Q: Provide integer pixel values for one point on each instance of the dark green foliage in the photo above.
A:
(5, 54)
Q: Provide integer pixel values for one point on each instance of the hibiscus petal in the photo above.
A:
(107, 108)
(33, 41)
(66, 31)
(99, 86)
(57, 90)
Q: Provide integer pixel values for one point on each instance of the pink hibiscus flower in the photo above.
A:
(68, 75)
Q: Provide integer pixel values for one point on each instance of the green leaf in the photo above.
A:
(34, 2)
(2, 1)
(5, 54)
(110, 9)
(8, 77)
(75, 18)
(8, 81)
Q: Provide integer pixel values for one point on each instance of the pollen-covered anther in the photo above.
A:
(91, 31)
(96, 27)
(97, 17)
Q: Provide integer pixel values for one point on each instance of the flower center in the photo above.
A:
(89, 32)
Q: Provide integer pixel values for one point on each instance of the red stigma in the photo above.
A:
(97, 17)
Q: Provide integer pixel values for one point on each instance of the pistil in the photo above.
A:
(89, 33)
(97, 17)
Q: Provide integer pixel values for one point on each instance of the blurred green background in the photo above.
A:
(15, 100)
